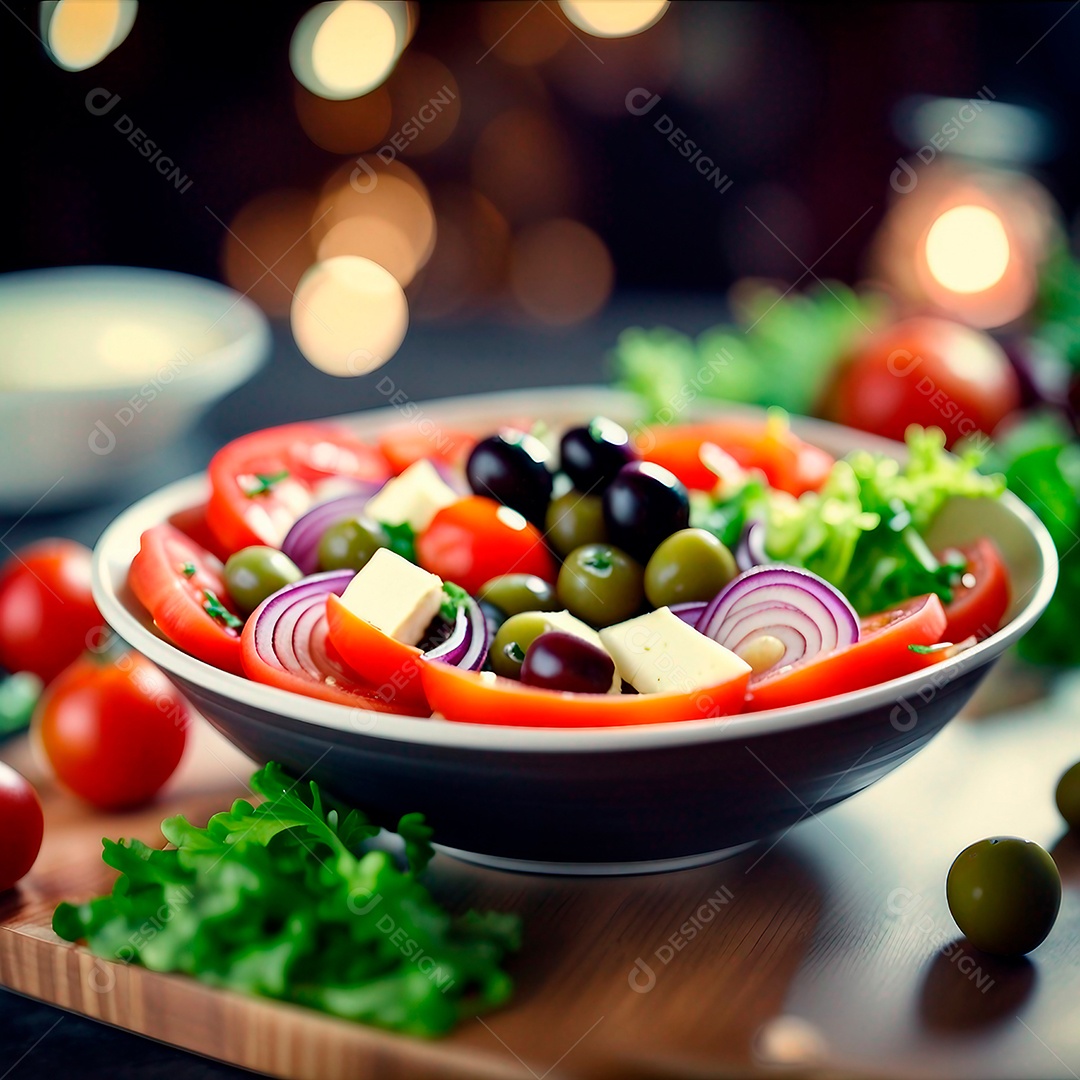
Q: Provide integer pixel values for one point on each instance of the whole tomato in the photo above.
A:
(113, 728)
(21, 826)
(46, 610)
(926, 371)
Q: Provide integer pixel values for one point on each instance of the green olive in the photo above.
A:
(690, 564)
(1067, 796)
(515, 593)
(574, 519)
(601, 584)
(512, 641)
(349, 544)
(1004, 894)
(254, 573)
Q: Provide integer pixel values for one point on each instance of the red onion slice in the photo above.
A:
(301, 543)
(467, 645)
(750, 551)
(690, 611)
(803, 612)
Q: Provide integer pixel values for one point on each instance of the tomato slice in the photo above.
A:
(172, 577)
(476, 697)
(404, 446)
(262, 482)
(338, 682)
(192, 522)
(390, 667)
(788, 463)
(880, 654)
(475, 539)
(981, 599)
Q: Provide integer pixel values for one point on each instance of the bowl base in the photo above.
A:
(598, 869)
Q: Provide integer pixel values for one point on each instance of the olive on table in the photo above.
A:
(511, 467)
(349, 544)
(690, 564)
(601, 584)
(1067, 796)
(254, 573)
(1004, 894)
(512, 641)
(574, 519)
(644, 504)
(558, 661)
(514, 593)
(592, 455)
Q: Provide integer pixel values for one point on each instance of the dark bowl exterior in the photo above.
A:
(617, 809)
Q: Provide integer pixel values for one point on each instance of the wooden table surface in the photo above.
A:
(828, 951)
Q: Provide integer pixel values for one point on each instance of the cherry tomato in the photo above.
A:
(475, 539)
(22, 825)
(113, 728)
(477, 697)
(262, 482)
(388, 665)
(404, 446)
(880, 654)
(182, 586)
(926, 371)
(46, 610)
(787, 462)
(979, 603)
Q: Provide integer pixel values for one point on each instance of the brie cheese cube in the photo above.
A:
(659, 652)
(395, 596)
(413, 498)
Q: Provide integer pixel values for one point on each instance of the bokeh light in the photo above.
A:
(614, 18)
(560, 272)
(389, 215)
(967, 249)
(542, 33)
(272, 230)
(426, 105)
(80, 33)
(345, 48)
(349, 316)
(344, 127)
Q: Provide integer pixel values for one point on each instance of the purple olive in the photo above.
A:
(558, 661)
(593, 455)
(511, 468)
(644, 505)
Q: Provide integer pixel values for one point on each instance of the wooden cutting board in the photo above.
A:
(827, 952)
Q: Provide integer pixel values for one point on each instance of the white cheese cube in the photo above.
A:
(659, 652)
(395, 596)
(413, 498)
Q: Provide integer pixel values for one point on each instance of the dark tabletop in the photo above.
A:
(436, 360)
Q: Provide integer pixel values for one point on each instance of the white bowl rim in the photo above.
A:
(490, 737)
(233, 361)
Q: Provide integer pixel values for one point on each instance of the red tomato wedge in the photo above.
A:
(475, 539)
(338, 682)
(262, 482)
(406, 445)
(192, 522)
(174, 579)
(390, 667)
(981, 599)
(880, 654)
(475, 697)
(788, 463)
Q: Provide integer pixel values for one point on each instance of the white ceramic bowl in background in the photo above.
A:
(100, 366)
(616, 800)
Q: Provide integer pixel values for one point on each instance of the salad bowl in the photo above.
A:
(592, 800)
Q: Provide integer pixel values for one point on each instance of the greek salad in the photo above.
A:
(585, 580)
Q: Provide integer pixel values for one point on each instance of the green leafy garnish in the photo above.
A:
(781, 350)
(264, 482)
(454, 597)
(217, 610)
(188, 569)
(401, 540)
(289, 900)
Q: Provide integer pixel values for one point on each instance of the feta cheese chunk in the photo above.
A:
(413, 498)
(659, 652)
(395, 596)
